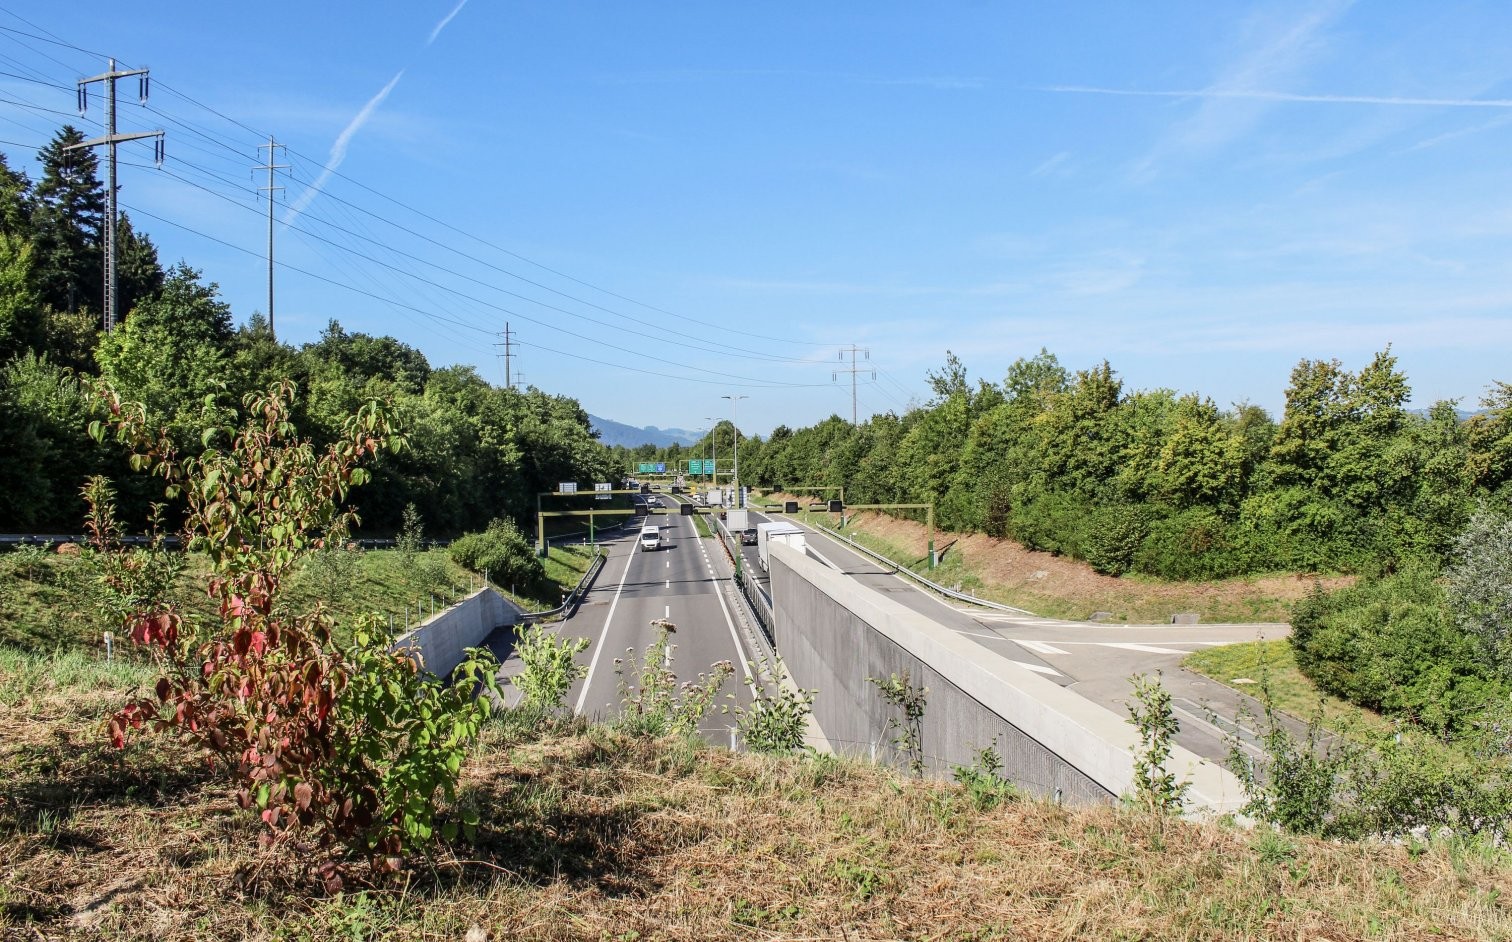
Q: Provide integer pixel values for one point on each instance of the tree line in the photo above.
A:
(479, 451)
(1166, 484)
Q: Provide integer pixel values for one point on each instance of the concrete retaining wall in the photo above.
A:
(440, 641)
(834, 633)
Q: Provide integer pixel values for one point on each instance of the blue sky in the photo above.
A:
(713, 199)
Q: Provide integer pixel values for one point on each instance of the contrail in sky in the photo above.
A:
(344, 139)
(442, 25)
(339, 149)
(1283, 96)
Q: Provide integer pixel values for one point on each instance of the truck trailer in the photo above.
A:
(780, 532)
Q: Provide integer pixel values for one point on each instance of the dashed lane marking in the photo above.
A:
(1147, 648)
(1040, 647)
(1039, 669)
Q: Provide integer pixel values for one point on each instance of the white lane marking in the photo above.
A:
(669, 583)
(1040, 647)
(1147, 648)
(1038, 668)
(745, 664)
(823, 559)
(668, 616)
(598, 649)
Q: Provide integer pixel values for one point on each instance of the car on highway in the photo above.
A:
(748, 536)
(653, 501)
(650, 538)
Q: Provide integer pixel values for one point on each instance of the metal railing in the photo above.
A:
(744, 581)
(900, 568)
(571, 601)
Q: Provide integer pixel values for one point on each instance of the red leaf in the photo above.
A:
(163, 689)
(302, 795)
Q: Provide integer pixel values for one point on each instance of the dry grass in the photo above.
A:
(588, 834)
(1059, 587)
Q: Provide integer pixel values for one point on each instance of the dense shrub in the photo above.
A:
(504, 554)
(1051, 521)
(1390, 644)
(1194, 544)
(1113, 536)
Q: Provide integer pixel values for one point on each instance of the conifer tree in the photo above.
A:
(68, 217)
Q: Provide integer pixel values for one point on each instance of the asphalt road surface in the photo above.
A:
(685, 582)
(1095, 660)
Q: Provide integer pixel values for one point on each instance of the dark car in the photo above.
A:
(748, 536)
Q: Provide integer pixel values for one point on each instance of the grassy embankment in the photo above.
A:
(1003, 571)
(45, 598)
(590, 834)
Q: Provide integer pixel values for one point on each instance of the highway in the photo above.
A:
(1095, 660)
(686, 582)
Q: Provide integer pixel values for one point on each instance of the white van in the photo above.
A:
(650, 537)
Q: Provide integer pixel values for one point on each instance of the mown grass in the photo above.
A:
(587, 833)
(1270, 669)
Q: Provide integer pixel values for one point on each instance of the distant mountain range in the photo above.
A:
(617, 433)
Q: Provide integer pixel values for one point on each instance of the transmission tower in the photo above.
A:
(110, 140)
(853, 370)
(508, 344)
(270, 189)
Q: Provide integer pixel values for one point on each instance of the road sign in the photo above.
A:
(701, 466)
(567, 487)
(603, 491)
(646, 467)
(661, 467)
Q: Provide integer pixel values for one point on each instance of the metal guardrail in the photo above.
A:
(570, 603)
(900, 568)
(745, 583)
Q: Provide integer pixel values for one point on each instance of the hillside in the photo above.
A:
(588, 833)
(1005, 571)
(614, 433)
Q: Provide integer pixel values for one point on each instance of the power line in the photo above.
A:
(500, 308)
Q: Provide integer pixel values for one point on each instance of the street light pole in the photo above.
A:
(714, 449)
(735, 420)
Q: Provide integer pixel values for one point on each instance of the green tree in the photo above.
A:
(139, 276)
(22, 319)
(172, 352)
(68, 219)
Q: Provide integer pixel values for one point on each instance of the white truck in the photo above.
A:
(737, 520)
(714, 497)
(778, 532)
(650, 538)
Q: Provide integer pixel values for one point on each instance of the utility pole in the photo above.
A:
(110, 140)
(270, 188)
(853, 370)
(508, 346)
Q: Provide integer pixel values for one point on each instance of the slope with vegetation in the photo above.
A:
(479, 451)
